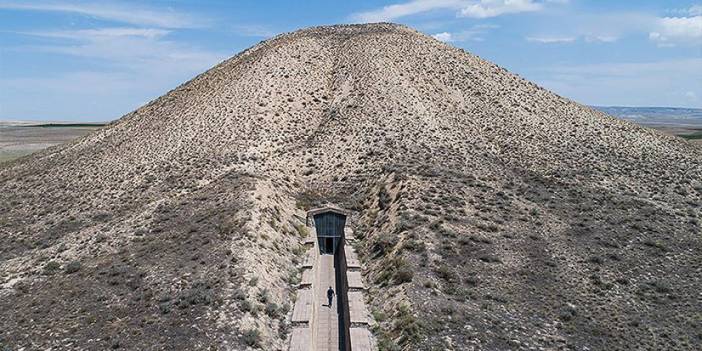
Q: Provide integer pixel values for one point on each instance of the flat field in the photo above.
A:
(19, 139)
(692, 133)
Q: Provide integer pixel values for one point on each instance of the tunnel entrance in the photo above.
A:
(328, 247)
(329, 223)
(330, 230)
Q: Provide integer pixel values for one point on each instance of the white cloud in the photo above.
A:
(113, 12)
(551, 40)
(136, 48)
(103, 33)
(445, 37)
(672, 30)
(127, 63)
(474, 33)
(395, 11)
(463, 8)
(140, 54)
(589, 38)
(494, 8)
(603, 38)
(695, 10)
(253, 30)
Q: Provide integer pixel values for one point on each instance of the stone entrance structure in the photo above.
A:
(329, 223)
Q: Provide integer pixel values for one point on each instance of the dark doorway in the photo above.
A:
(330, 231)
(329, 245)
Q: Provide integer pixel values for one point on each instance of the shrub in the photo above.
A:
(656, 244)
(595, 259)
(165, 307)
(444, 272)
(252, 337)
(407, 325)
(199, 293)
(378, 315)
(472, 281)
(293, 277)
(246, 306)
(490, 259)
(263, 296)
(386, 344)
(283, 330)
(239, 294)
(415, 245)
(272, 309)
(404, 275)
(51, 267)
(567, 313)
(72, 267)
(383, 198)
(384, 244)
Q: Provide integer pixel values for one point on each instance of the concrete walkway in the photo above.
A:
(315, 324)
(327, 321)
(302, 313)
(361, 339)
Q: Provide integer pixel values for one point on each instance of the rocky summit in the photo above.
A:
(489, 213)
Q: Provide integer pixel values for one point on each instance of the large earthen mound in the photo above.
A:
(492, 214)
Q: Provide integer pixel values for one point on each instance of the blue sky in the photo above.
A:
(96, 61)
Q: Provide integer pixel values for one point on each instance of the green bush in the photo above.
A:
(403, 272)
(384, 198)
(378, 315)
(252, 338)
(444, 272)
(272, 309)
(263, 296)
(72, 267)
(51, 267)
(200, 293)
(293, 277)
(386, 344)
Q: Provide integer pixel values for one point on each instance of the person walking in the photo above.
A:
(330, 296)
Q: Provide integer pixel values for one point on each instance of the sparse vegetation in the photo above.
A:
(488, 213)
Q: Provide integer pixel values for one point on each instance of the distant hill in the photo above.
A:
(673, 116)
(50, 124)
(489, 212)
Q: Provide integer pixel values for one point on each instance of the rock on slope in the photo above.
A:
(493, 214)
